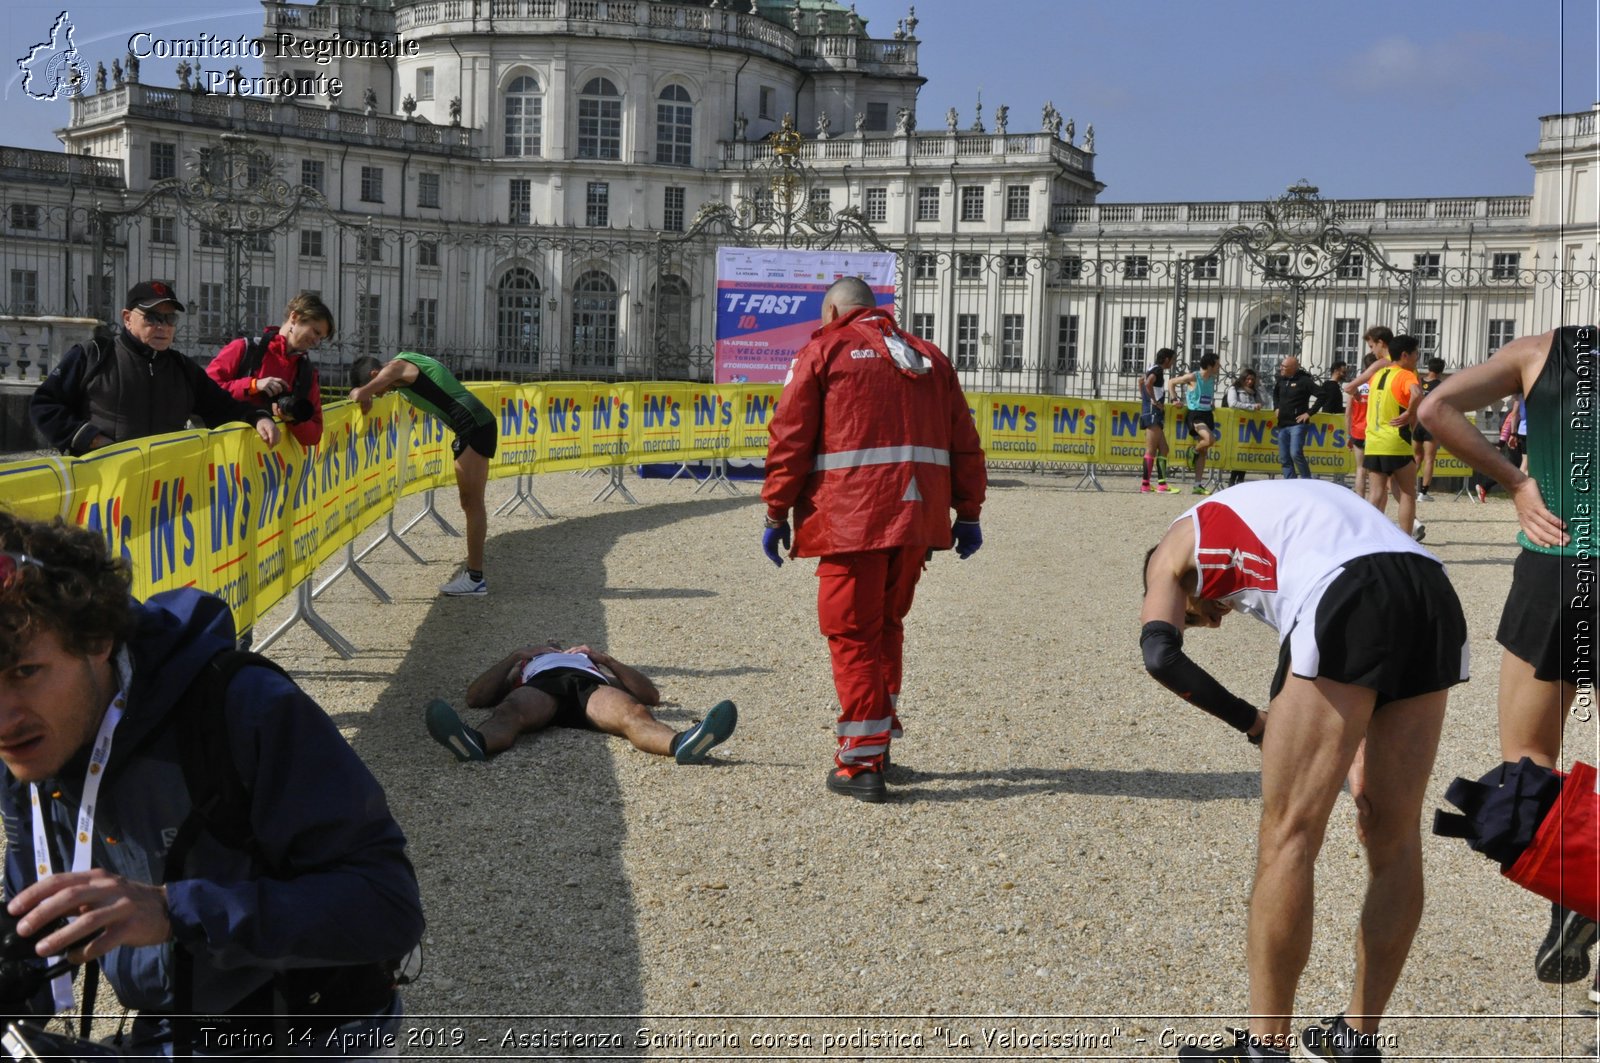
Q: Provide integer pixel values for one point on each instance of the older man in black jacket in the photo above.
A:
(135, 384)
(1293, 399)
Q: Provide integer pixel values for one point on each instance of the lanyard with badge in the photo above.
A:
(83, 842)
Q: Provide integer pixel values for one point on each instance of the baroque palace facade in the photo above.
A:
(537, 188)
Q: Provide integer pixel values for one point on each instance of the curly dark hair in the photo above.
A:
(81, 593)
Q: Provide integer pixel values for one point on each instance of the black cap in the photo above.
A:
(147, 294)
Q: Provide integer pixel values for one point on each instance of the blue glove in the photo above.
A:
(968, 537)
(771, 539)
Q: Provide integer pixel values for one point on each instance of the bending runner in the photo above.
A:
(428, 385)
(1343, 588)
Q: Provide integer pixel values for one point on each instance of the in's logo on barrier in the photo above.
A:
(53, 68)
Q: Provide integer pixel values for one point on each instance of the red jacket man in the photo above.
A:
(276, 383)
(871, 447)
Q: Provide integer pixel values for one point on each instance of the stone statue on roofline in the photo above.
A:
(739, 125)
(184, 70)
(977, 118)
(116, 72)
(1088, 138)
(911, 23)
(455, 110)
(861, 123)
(1072, 130)
(100, 77)
(824, 123)
(905, 122)
(132, 66)
(1002, 113)
(952, 120)
(369, 100)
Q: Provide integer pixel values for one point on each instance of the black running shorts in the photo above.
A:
(1153, 419)
(1550, 616)
(1387, 464)
(483, 439)
(1391, 623)
(1202, 417)
(570, 688)
(1420, 434)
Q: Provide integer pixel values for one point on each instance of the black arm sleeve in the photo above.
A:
(1165, 660)
(214, 405)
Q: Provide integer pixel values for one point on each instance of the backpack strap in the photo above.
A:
(219, 798)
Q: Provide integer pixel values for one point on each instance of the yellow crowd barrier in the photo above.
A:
(221, 511)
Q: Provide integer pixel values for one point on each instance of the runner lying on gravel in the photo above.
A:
(537, 686)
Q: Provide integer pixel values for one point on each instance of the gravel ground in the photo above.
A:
(1066, 857)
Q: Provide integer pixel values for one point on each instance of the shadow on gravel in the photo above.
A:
(1453, 562)
(1024, 782)
(520, 858)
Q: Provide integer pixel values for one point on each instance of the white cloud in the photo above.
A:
(1398, 64)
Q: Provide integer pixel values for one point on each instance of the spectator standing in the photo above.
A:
(1424, 447)
(1292, 396)
(1243, 394)
(274, 370)
(134, 384)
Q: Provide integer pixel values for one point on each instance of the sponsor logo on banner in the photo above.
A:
(610, 434)
(1070, 433)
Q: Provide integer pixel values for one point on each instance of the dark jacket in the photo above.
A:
(1292, 396)
(340, 889)
(125, 390)
(1328, 398)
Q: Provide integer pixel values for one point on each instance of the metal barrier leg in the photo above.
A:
(305, 611)
(683, 469)
(718, 478)
(523, 496)
(390, 535)
(613, 486)
(352, 566)
(1089, 479)
(429, 511)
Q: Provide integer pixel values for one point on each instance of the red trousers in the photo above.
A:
(862, 601)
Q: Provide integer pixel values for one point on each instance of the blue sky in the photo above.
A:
(1231, 99)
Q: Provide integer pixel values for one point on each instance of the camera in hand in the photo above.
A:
(21, 972)
(293, 408)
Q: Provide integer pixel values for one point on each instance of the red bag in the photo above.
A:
(1563, 862)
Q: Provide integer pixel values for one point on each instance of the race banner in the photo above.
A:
(769, 302)
(566, 434)
(37, 488)
(1120, 440)
(613, 427)
(1009, 426)
(520, 410)
(756, 405)
(664, 419)
(712, 409)
(1069, 429)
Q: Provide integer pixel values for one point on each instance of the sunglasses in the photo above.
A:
(12, 563)
(159, 319)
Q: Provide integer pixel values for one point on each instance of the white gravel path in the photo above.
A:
(1072, 841)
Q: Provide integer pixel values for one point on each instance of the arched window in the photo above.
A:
(672, 305)
(594, 321)
(517, 318)
(524, 117)
(1270, 344)
(674, 126)
(599, 121)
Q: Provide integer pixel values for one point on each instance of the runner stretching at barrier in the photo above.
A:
(1200, 418)
(428, 385)
(538, 686)
(1153, 419)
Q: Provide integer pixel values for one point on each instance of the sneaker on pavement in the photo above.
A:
(464, 586)
(1334, 1040)
(863, 785)
(1200, 489)
(445, 725)
(1423, 496)
(698, 741)
(1144, 488)
(1238, 1052)
(1563, 956)
(1483, 494)
(1419, 531)
(1594, 989)
(1166, 489)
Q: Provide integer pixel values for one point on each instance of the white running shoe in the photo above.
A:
(464, 586)
(1419, 531)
